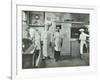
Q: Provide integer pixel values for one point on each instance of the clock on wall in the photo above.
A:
(37, 16)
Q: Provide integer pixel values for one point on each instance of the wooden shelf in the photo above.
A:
(34, 25)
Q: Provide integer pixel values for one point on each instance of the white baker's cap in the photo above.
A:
(81, 30)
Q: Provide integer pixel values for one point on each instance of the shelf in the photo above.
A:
(35, 25)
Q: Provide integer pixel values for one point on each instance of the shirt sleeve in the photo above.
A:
(87, 35)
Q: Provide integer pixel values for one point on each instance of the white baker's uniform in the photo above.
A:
(36, 38)
(58, 41)
(82, 39)
(46, 38)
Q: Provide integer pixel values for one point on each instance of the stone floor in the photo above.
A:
(66, 61)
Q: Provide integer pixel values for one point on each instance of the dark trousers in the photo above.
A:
(57, 55)
(36, 54)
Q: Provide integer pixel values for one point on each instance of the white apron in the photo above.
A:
(57, 38)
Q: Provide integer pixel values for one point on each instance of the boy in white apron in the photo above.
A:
(58, 44)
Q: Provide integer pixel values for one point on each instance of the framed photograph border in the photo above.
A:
(14, 54)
